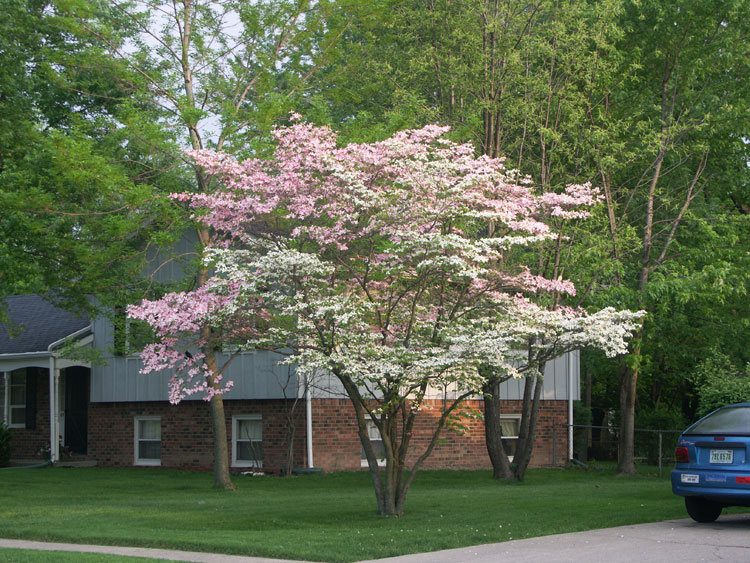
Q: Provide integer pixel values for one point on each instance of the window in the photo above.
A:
(377, 444)
(509, 426)
(17, 399)
(247, 440)
(148, 440)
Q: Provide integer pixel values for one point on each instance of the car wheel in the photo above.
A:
(702, 510)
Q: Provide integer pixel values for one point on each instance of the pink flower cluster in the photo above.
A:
(412, 181)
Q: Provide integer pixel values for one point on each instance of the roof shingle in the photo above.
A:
(35, 324)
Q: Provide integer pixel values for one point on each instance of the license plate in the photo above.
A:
(688, 478)
(722, 456)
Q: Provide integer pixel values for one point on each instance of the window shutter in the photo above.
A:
(31, 377)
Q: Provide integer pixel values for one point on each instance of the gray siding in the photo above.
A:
(168, 267)
(257, 375)
(555, 386)
(555, 382)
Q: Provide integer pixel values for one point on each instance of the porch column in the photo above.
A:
(54, 430)
(4, 398)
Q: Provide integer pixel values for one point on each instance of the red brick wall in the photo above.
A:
(27, 443)
(187, 439)
(336, 443)
(186, 435)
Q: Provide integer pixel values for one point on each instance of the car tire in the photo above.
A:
(702, 510)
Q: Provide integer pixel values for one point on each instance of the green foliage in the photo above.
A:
(583, 416)
(719, 382)
(77, 196)
(659, 418)
(5, 447)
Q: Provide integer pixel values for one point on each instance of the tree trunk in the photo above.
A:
(291, 431)
(527, 433)
(222, 480)
(493, 431)
(584, 452)
(628, 385)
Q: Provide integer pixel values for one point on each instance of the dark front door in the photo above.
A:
(76, 409)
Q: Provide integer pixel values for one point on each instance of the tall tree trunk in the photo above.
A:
(527, 433)
(493, 432)
(222, 480)
(628, 386)
(584, 452)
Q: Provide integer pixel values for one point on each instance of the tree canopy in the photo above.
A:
(371, 262)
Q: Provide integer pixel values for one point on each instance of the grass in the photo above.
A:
(33, 556)
(318, 517)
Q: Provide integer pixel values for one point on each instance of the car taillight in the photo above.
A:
(682, 455)
(742, 480)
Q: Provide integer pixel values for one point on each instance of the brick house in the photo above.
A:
(109, 412)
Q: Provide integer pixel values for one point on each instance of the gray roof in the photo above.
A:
(35, 324)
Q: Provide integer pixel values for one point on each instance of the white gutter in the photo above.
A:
(4, 398)
(570, 405)
(308, 421)
(53, 420)
(22, 355)
(76, 334)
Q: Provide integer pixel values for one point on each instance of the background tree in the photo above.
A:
(210, 74)
(76, 211)
(720, 382)
(645, 99)
(677, 113)
(520, 79)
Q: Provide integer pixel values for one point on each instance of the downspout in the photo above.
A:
(53, 420)
(308, 421)
(54, 387)
(6, 382)
(570, 404)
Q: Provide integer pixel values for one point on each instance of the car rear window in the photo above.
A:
(733, 420)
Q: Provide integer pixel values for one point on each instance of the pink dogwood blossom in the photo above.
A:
(374, 262)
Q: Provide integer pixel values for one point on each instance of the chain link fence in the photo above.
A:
(601, 443)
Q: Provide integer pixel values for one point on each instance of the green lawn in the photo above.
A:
(32, 556)
(319, 517)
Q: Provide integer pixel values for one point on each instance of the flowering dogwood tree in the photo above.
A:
(374, 263)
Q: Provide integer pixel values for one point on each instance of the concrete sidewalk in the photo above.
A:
(726, 540)
(153, 553)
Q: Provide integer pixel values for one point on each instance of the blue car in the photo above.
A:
(713, 463)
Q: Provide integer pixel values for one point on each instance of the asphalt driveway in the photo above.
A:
(726, 540)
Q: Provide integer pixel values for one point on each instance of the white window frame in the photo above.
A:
(516, 417)
(235, 433)
(136, 426)
(374, 433)
(10, 406)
